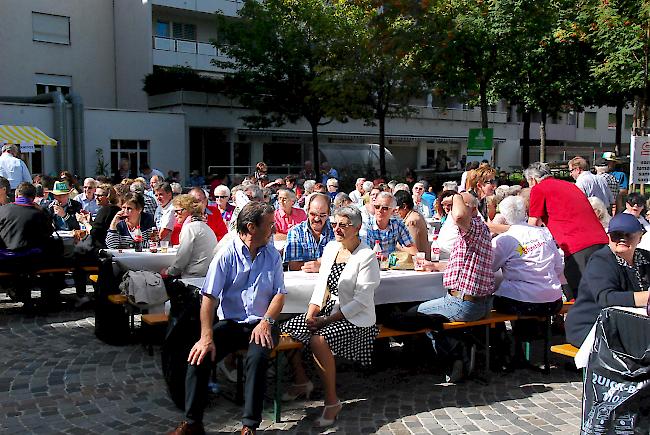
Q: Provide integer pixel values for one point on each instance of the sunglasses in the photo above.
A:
(637, 204)
(340, 225)
(382, 207)
(620, 235)
(221, 197)
(179, 210)
(492, 181)
(101, 194)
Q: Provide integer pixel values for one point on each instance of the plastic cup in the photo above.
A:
(418, 261)
(164, 244)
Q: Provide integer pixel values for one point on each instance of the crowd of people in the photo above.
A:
(548, 239)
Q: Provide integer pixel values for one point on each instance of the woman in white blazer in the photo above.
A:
(340, 319)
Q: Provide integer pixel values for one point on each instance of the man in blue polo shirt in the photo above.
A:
(305, 241)
(248, 281)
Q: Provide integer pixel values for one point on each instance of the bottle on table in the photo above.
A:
(137, 239)
(379, 253)
(153, 240)
(435, 249)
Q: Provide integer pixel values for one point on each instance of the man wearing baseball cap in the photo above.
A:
(616, 275)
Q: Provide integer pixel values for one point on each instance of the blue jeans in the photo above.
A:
(455, 309)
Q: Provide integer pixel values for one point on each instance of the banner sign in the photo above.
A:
(640, 160)
(480, 144)
(27, 147)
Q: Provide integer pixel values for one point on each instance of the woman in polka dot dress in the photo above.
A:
(341, 318)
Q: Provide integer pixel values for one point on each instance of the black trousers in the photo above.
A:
(574, 265)
(230, 336)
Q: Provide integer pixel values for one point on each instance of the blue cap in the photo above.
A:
(624, 222)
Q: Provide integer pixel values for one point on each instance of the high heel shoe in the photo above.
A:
(302, 390)
(324, 422)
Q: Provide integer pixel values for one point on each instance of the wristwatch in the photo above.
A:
(271, 320)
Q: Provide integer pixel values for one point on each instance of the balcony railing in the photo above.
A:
(184, 46)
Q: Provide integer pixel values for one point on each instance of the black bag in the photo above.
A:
(111, 320)
(616, 398)
(183, 330)
(412, 321)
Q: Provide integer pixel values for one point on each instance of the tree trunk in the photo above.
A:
(619, 128)
(382, 146)
(542, 136)
(314, 146)
(484, 104)
(525, 143)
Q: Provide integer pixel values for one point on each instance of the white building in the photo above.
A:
(101, 50)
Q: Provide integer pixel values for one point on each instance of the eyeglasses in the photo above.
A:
(320, 216)
(89, 187)
(101, 194)
(574, 169)
(340, 225)
(179, 210)
(382, 207)
(620, 235)
(418, 188)
(221, 196)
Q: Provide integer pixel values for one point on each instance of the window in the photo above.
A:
(49, 83)
(629, 121)
(50, 28)
(611, 121)
(163, 29)
(590, 120)
(572, 118)
(135, 151)
(184, 31)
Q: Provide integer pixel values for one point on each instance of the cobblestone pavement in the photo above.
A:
(56, 377)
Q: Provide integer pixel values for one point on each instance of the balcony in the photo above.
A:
(228, 7)
(194, 54)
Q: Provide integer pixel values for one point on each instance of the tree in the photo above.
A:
(278, 52)
(549, 73)
(619, 32)
(380, 69)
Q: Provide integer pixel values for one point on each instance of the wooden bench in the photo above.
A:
(149, 323)
(565, 349)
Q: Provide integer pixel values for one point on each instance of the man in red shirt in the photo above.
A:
(565, 210)
(214, 220)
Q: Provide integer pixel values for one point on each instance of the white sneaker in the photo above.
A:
(231, 375)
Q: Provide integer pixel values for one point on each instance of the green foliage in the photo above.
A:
(175, 78)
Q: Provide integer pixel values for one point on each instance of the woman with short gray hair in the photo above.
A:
(341, 199)
(537, 171)
(531, 265)
(341, 316)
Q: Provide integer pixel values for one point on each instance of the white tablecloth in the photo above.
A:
(128, 259)
(395, 286)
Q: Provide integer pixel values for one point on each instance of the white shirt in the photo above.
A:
(447, 237)
(463, 181)
(595, 186)
(530, 262)
(356, 197)
(14, 170)
(195, 252)
(165, 218)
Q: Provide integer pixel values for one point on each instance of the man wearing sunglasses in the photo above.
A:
(387, 228)
(617, 275)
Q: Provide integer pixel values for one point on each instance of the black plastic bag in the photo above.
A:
(616, 398)
(183, 330)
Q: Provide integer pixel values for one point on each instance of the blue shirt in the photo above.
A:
(90, 205)
(396, 232)
(244, 286)
(621, 178)
(301, 245)
(429, 199)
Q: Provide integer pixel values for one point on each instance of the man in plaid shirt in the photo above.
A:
(306, 241)
(386, 228)
(469, 278)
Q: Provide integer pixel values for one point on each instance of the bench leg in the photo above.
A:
(547, 346)
(239, 393)
(487, 349)
(277, 399)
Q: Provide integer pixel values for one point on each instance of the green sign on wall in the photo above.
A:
(479, 144)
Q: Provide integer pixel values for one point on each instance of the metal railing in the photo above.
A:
(185, 46)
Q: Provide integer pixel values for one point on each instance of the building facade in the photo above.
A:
(100, 51)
